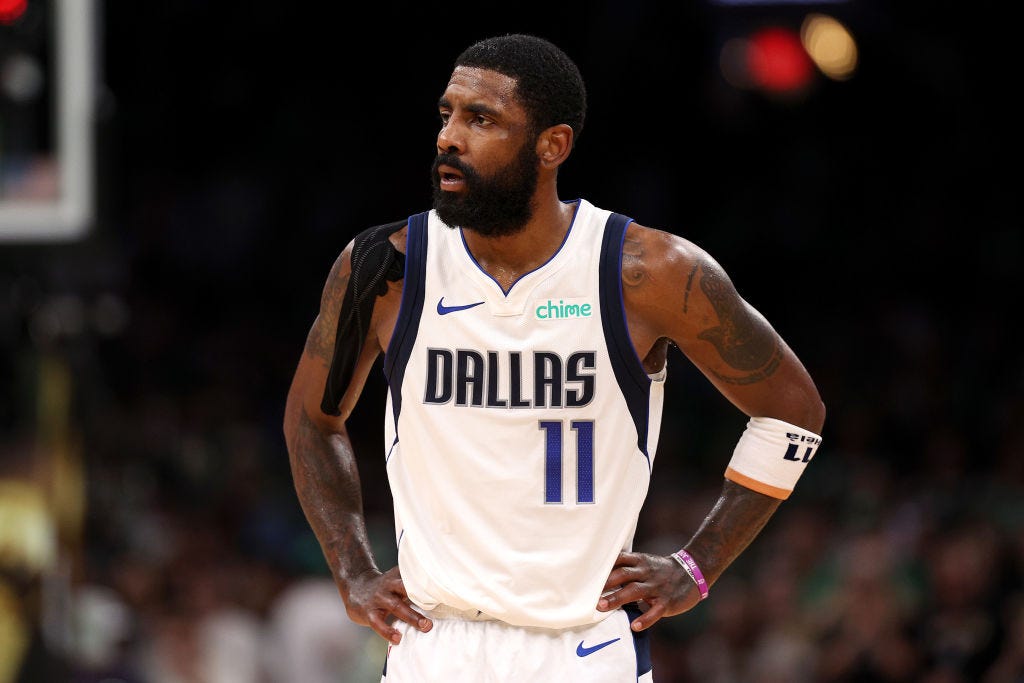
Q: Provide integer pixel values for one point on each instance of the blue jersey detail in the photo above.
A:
(641, 642)
(410, 310)
(582, 651)
(445, 310)
(633, 381)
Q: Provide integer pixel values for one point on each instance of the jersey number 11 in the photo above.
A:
(553, 460)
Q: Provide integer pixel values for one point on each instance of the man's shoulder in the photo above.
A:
(655, 260)
(376, 236)
(660, 245)
(385, 240)
(373, 258)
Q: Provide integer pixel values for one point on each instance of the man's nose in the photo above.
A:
(449, 140)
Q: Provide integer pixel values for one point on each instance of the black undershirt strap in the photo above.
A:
(375, 262)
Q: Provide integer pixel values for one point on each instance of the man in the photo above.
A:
(525, 350)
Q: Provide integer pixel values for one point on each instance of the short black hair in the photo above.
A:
(548, 83)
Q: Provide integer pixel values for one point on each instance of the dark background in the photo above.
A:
(873, 221)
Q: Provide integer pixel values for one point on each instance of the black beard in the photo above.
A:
(495, 206)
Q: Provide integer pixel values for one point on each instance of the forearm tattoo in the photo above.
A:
(743, 340)
(327, 483)
(737, 518)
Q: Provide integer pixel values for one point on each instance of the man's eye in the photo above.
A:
(481, 120)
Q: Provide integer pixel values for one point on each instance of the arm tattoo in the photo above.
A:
(327, 483)
(320, 342)
(745, 342)
(737, 518)
(689, 286)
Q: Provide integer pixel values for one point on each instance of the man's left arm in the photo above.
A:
(676, 290)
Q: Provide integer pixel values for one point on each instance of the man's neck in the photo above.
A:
(509, 257)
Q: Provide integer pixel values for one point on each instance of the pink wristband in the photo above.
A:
(690, 565)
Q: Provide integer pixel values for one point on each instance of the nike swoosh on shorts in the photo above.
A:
(582, 651)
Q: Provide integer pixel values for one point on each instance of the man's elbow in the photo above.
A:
(290, 424)
(806, 409)
(288, 427)
(814, 418)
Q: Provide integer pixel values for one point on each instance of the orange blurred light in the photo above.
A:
(11, 10)
(776, 60)
(830, 45)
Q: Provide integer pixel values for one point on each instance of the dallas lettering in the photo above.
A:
(472, 378)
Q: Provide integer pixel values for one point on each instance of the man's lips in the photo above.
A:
(450, 177)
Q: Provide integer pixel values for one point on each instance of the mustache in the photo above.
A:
(453, 161)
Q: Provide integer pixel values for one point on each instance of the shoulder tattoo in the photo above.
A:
(632, 262)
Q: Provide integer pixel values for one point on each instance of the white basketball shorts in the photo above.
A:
(475, 648)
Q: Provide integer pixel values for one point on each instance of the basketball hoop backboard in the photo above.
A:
(46, 112)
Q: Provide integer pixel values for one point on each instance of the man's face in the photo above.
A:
(494, 205)
(486, 171)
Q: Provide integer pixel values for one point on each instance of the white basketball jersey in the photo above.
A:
(521, 427)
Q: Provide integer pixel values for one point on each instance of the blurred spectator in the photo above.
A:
(720, 652)
(103, 629)
(311, 639)
(202, 632)
(1008, 666)
(960, 626)
(784, 650)
(866, 624)
(28, 557)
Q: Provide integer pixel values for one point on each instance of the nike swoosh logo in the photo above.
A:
(445, 310)
(582, 651)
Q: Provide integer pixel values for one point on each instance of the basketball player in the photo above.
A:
(525, 341)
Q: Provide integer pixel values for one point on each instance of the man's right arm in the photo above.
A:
(326, 475)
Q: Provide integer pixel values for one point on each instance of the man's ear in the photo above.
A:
(554, 145)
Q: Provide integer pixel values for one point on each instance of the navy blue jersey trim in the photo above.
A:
(641, 642)
(410, 310)
(633, 382)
